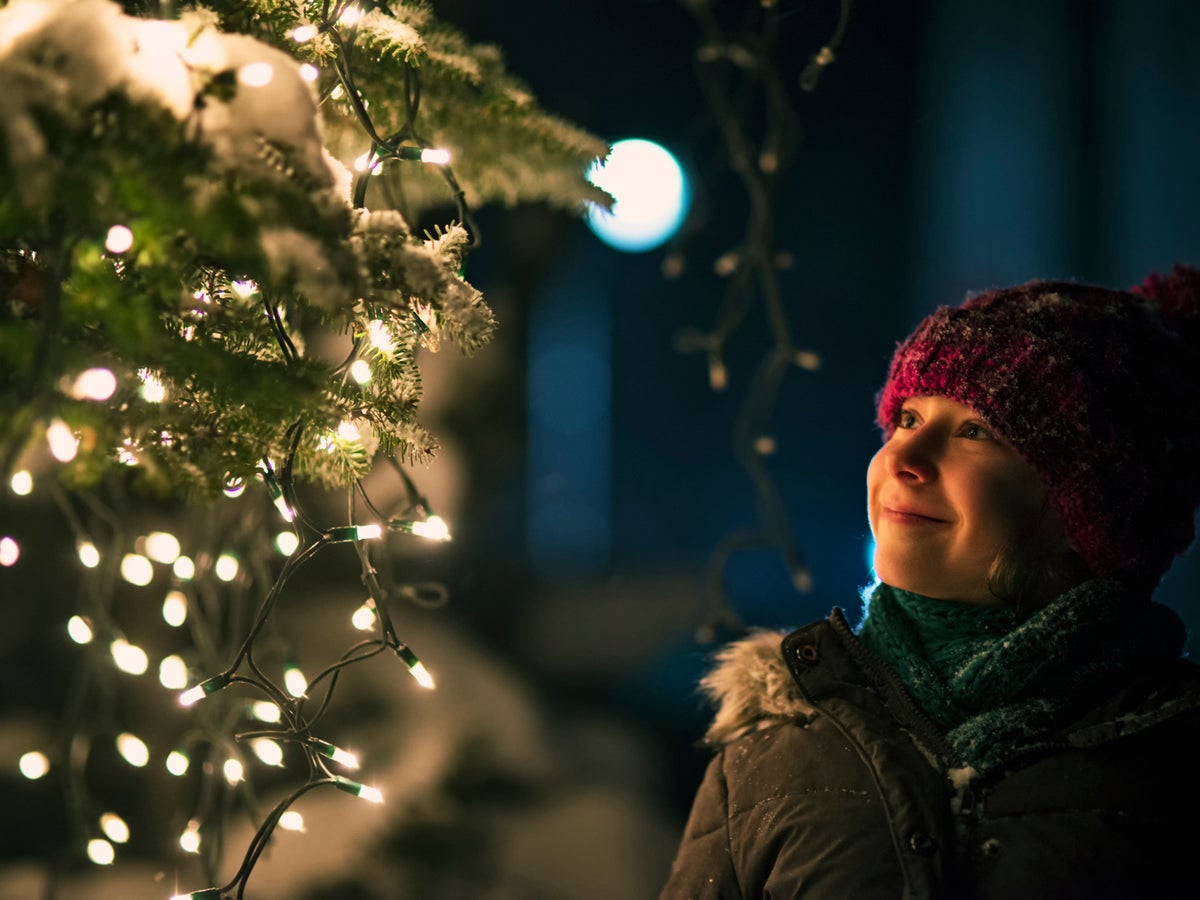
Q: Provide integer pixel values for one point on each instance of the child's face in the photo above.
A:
(946, 497)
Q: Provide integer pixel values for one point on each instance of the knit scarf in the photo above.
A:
(999, 683)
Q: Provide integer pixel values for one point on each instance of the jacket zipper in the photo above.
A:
(874, 665)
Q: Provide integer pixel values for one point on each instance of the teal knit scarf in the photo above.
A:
(997, 682)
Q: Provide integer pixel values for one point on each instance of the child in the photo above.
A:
(1013, 718)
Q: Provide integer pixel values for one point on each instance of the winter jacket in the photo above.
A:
(829, 782)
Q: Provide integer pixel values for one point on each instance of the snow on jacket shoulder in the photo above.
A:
(829, 783)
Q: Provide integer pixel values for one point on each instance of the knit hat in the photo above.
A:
(1098, 389)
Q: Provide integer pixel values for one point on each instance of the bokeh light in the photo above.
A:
(651, 196)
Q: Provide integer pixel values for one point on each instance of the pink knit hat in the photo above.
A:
(1098, 389)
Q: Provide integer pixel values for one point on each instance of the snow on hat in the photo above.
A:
(1098, 389)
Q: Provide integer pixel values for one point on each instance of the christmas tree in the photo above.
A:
(227, 233)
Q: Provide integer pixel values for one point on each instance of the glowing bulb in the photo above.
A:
(203, 689)
(33, 765)
(256, 74)
(416, 668)
(286, 542)
(153, 390)
(265, 711)
(115, 828)
(101, 852)
(177, 763)
(129, 657)
(380, 336)
(234, 487)
(184, 568)
(233, 771)
(360, 371)
(294, 680)
(434, 528)
(651, 196)
(358, 790)
(337, 93)
(347, 431)
(63, 443)
(118, 240)
(190, 841)
(304, 34)
(291, 821)
(88, 554)
(247, 288)
(226, 567)
(131, 747)
(337, 754)
(94, 384)
(268, 751)
(22, 482)
(352, 16)
(175, 608)
(309, 73)
(136, 569)
(364, 617)
(162, 547)
(79, 630)
(10, 551)
(173, 673)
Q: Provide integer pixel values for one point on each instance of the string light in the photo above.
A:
(268, 751)
(415, 667)
(152, 390)
(294, 680)
(88, 554)
(364, 617)
(226, 567)
(265, 711)
(136, 569)
(360, 371)
(175, 608)
(337, 754)
(118, 240)
(190, 841)
(173, 672)
(177, 763)
(433, 528)
(129, 657)
(33, 765)
(184, 568)
(352, 16)
(432, 155)
(161, 547)
(343, 533)
(304, 33)
(101, 852)
(358, 790)
(380, 336)
(276, 492)
(291, 821)
(234, 487)
(63, 443)
(247, 288)
(133, 749)
(114, 828)
(203, 689)
(94, 384)
(233, 771)
(287, 542)
(207, 893)
(22, 481)
(80, 630)
(309, 73)
(10, 551)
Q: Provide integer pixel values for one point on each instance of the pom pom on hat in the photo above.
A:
(1098, 389)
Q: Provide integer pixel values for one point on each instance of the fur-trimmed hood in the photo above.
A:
(751, 687)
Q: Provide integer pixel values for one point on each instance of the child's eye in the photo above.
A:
(906, 419)
(976, 432)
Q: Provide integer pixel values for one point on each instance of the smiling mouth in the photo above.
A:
(908, 517)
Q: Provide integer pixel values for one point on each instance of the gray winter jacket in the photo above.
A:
(829, 783)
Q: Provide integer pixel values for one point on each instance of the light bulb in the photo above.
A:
(358, 790)
(101, 852)
(380, 336)
(152, 390)
(286, 542)
(22, 482)
(226, 567)
(118, 240)
(364, 617)
(133, 749)
(162, 547)
(304, 33)
(88, 554)
(265, 711)
(63, 443)
(268, 751)
(175, 608)
(256, 74)
(80, 630)
(203, 689)
(136, 569)
(360, 371)
(291, 821)
(190, 841)
(309, 73)
(184, 568)
(294, 680)
(94, 384)
(33, 765)
(233, 771)
(177, 763)
(173, 672)
(114, 828)
(129, 657)
(416, 668)
(10, 551)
